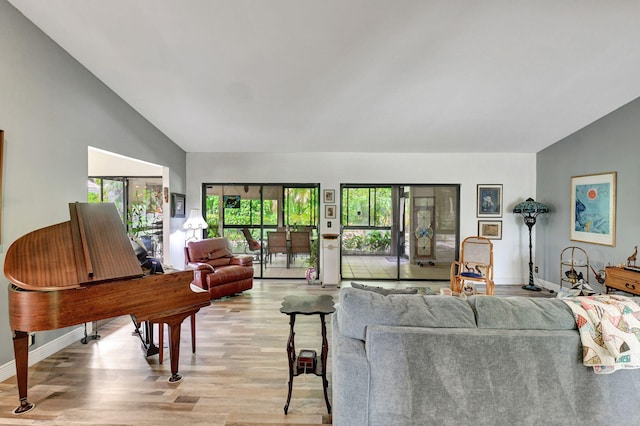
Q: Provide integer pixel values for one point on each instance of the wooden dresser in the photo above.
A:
(622, 279)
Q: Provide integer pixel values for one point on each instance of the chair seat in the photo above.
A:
(471, 275)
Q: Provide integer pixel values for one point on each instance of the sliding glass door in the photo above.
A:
(399, 232)
(247, 214)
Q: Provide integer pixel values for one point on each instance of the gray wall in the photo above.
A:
(611, 144)
(51, 110)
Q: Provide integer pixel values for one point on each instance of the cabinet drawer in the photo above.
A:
(623, 279)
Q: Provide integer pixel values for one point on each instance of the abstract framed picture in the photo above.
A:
(593, 208)
(491, 229)
(232, 201)
(489, 201)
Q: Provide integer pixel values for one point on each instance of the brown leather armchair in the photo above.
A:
(217, 269)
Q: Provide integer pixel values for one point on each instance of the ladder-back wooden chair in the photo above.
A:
(475, 264)
(277, 243)
(300, 243)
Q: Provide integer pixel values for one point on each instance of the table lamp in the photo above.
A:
(530, 210)
(194, 223)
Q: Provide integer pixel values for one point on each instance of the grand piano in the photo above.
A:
(85, 270)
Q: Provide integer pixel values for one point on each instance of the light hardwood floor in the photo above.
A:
(238, 375)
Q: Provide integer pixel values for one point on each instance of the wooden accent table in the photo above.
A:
(307, 305)
(622, 279)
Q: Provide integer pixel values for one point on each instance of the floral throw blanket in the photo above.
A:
(609, 328)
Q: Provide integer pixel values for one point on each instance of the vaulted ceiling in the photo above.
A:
(357, 75)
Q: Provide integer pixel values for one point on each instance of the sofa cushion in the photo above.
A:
(358, 309)
(384, 291)
(521, 313)
(229, 274)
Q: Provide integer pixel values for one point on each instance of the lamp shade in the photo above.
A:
(530, 208)
(195, 220)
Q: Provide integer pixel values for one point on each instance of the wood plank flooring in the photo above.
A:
(238, 375)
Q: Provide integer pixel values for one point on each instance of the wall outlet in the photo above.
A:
(32, 339)
(535, 269)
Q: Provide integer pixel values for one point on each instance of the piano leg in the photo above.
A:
(21, 352)
(94, 336)
(174, 322)
(161, 338)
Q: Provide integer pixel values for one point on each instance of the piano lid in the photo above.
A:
(92, 247)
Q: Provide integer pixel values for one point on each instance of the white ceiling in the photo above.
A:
(357, 75)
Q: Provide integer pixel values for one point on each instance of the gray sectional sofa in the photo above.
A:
(438, 360)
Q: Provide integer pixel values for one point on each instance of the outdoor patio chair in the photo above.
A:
(253, 247)
(300, 243)
(277, 243)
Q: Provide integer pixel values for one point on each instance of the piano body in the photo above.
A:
(85, 270)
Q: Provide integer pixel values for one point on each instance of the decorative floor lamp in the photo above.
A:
(530, 210)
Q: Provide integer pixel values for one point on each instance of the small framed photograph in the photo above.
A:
(177, 205)
(330, 211)
(489, 201)
(491, 229)
(329, 196)
(593, 208)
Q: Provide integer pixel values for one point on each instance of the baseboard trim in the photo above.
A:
(42, 352)
(546, 285)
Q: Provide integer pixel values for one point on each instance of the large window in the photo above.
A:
(367, 219)
(300, 206)
(367, 206)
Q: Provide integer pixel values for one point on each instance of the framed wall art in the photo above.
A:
(489, 201)
(232, 201)
(491, 229)
(329, 195)
(177, 205)
(330, 211)
(593, 208)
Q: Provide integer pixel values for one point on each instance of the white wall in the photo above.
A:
(515, 171)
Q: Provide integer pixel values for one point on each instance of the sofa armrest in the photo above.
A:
(242, 260)
(200, 266)
(350, 378)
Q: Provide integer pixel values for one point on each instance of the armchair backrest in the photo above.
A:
(476, 255)
(208, 250)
